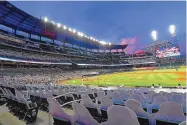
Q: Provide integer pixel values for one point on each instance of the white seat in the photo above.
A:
(137, 97)
(86, 101)
(154, 95)
(183, 123)
(105, 103)
(109, 94)
(136, 107)
(120, 115)
(100, 94)
(169, 96)
(177, 98)
(117, 99)
(158, 101)
(56, 110)
(149, 96)
(125, 96)
(82, 115)
(170, 112)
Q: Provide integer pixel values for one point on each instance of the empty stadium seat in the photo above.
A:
(169, 113)
(59, 116)
(105, 103)
(82, 116)
(157, 102)
(136, 106)
(20, 107)
(120, 115)
(92, 107)
(117, 99)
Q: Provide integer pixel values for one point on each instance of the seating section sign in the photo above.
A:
(167, 52)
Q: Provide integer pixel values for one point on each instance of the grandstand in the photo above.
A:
(52, 74)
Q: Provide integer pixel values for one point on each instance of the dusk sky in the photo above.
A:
(116, 22)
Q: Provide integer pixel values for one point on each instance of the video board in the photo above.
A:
(167, 52)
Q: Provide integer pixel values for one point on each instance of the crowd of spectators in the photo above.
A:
(32, 56)
(40, 76)
(141, 60)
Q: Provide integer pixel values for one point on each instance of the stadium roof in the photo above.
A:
(15, 18)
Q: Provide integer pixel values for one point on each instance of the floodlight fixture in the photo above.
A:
(109, 43)
(70, 29)
(154, 35)
(58, 25)
(64, 27)
(172, 29)
(103, 42)
(74, 31)
(45, 19)
(80, 34)
(53, 22)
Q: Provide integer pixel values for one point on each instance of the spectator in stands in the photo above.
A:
(153, 86)
(159, 86)
(179, 86)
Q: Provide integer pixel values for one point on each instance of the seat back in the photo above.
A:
(136, 107)
(105, 103)
(177, 98)
(137, 97)
(117, 99)
(159, 100)
(82, 115)
(170, 111)
(109, 94)
(56, 110)
(86, 101)
(120, 115)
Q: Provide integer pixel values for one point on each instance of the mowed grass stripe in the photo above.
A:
(164, 77)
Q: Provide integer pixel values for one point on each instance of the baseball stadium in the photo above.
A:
(52, 74)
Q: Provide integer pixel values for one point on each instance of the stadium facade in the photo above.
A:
(27, 41)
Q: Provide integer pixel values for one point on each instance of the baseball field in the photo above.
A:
(164, 77)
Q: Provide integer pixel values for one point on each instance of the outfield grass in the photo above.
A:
(167, 77)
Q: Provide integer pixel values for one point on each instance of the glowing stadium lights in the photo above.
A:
(74, 31)
(91, 38)
(80, 34)
(70, 29)
(45, 19)
(53, 22)
(154, 35)
(64, 27)
(103, 42)
(58, 25)
(172, 30)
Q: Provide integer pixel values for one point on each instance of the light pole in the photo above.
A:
(154, 37)
(172, 30)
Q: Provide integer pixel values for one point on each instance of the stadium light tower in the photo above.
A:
(74, 31)
(58, 25)
(172, 30)
(64, 27)
(45, 19)
(154, 35)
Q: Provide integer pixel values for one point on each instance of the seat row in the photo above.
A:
(131, 113)
(19, 106)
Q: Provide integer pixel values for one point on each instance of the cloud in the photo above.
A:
(132, 44)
